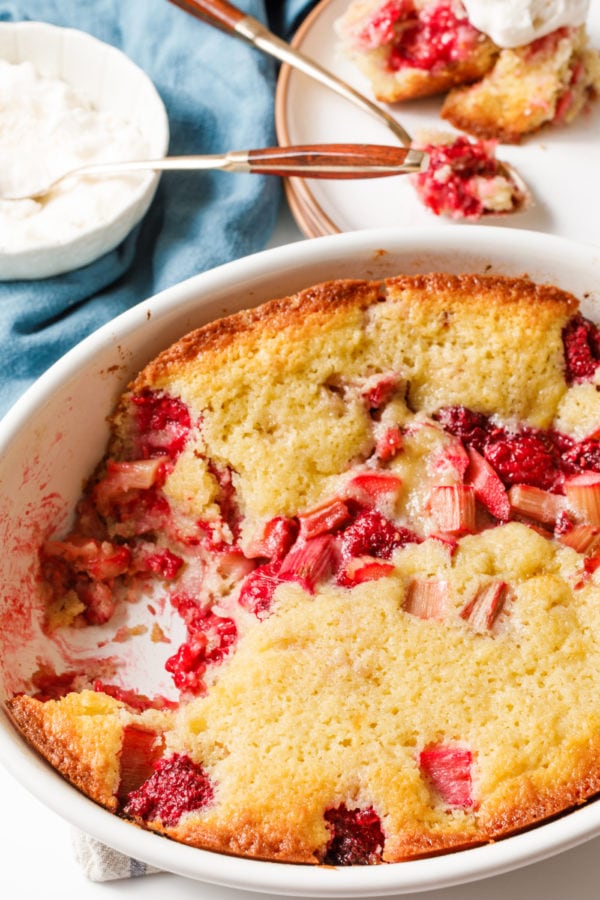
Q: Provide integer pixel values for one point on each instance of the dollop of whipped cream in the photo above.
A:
(48, 128)
(512, 23)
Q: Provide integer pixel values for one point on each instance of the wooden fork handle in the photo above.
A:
(216, 12)
(335, 161)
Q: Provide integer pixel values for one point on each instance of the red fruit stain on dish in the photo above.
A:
(356, 838)
(177, 786)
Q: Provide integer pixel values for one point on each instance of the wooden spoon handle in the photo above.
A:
(215, 12)
(335, 161)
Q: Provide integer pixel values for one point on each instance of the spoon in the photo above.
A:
(308, 161)
(234, 21)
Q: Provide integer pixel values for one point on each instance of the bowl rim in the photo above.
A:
(530, 846)
(46, 259)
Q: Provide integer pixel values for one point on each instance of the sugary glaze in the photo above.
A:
(411, 49)
(376, 506)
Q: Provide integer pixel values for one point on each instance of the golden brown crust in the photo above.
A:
(412, 84)
(79, 754)
(318, 302)
(248, 838)
(214, 338)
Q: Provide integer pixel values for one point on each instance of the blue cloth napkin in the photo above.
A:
(219, 94)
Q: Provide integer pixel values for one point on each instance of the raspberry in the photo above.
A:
(585, 455)
(371, 534)
(177, 786)
(581, 341)
(523, 459)
(472, 428)
(163, 424)
(356, 837)
(439, 36)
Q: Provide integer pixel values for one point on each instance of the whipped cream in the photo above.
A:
(48, 128)
(512, 23)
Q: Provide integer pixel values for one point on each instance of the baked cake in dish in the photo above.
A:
(416, 48)
(375, 507)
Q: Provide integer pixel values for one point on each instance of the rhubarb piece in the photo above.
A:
(453, 457)
(323, 519)
(140, 751)
(309, 562)
(122, 477)
(388, 443)
(489, 490)
(581, 340)
(100, 560)
(448, 768)
(484, 608)
(541, 506)
(358, 569)
(581, 538)
(357, 838)
(583, 495)
(453, 508)
(369, 487)
(177, 786)
(379, 389)
(427, 598)
(371, 534)
(278, 536)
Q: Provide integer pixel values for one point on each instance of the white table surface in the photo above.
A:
(37, 862)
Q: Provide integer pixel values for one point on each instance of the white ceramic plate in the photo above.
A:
(51, 439)
(561, 165)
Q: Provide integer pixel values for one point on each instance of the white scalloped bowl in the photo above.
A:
(113, 83)
(51, 439)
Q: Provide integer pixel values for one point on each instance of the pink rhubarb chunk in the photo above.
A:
(484, 608)
(488, 487)
(426, 598)
(449, 769)
(453, 508)
(583, 494)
